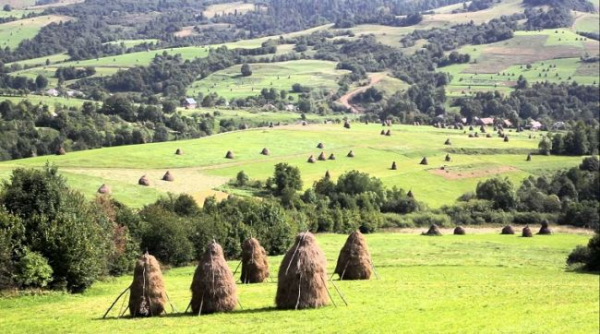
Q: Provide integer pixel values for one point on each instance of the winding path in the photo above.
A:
(345, 100)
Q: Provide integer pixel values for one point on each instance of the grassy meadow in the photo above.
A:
(478, 283)
(12, 33)
(202, 169)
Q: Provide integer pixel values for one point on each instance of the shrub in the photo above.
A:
(499, 191)
(428, 218)
(33, 270)
(588, 255)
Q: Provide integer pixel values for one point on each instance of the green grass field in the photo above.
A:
(478, 283)
(50, 101)
(229, 83)
(12, 33)
(203, 167)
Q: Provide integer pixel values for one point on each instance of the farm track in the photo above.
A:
(375, 78)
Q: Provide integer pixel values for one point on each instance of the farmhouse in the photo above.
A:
(52, 92)
(535, 125)
(486, 121)
(190, 103)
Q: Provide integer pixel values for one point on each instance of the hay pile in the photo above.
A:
(388, 133)
(394, 167)
(527, 232)
(448, 142)
(311, 159)
(104, 189)
(382, 132)
(528, 157)
(434, 230)
(354, 261)
(302, 281)
(255, 268)
(459, 230)
(471, 128)
(322, 157)
(265, 151)
(147, 291)
(506, 139)
(424, 161)
(213, 287)
(61, 151)
(347, 125)
(168, 177)
(179, 152)
(448, 158)
(321, 146)
(482, 129)
(507, 230)
(350, 154)
(545, 229)
(144, 181)
(331, 157)
(229, 155)
(327, 175)
(410, 194)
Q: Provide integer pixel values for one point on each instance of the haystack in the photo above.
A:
(311, 159)
(410, 194)
(255, 268)
(327, 175)
(302, 281)
(354, 261)
(507, 230)
(61, 151)
(448, 142)
(321, 146)
(394, 167)
(448, 158)
(144, 181)
(433, 230)
(213, 287)
(388, 133)
(382, 132)
(350, 154)
(529, 157)
(347, 125)
(488, 136)
(265, 151)
(459, 230)
(424, 161)
(471, 135)
(331, 156)
(168, 177)
(482, 129)
(476, 135)
(147, 291)
(471, 128)
(229, 155)
(545, 229)
(506, 139)
(179, 152)
(104, 189)
(322, 157)
(527, 232)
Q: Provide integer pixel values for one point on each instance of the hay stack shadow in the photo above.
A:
(255, 268)
(354, 261)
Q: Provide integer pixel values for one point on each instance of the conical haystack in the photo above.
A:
(168, 177)
(394, 167)
(321, 146)
(545, 229)
(322, 157)
(327, 175)
(311, 159)
(471, 128)
(529, 157)
(354, 261)
(459, 230)
(331, 157)
(507, 230)
(265, 151)
(255, 268)
(527, 232)
(179, 152)
(424, 161)
(506, 139)
(302, 280)
(104, 189)
(147, 291)
(388, 133)
(482, 129)
(410, 194)
(144, 181)
(448, 158)
(229, 155)
(213, 287)
(347, 125)
(350, 154)
(61, 151)
(448, 142)
(382, 132)
(434, 230)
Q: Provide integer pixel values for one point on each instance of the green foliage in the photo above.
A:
(32, 270)
(242, 178)
(246, 70)
(499, 191)
(286, 177)
(588, 255)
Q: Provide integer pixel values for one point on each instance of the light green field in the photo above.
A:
(477, 283)
(41, 61)
(50, 101)
(133, 42)
(588, 22)
(229, 83)
(228, 8)
(18, 4)
(18, 13)
(203, 166)
(12, 33)
(445, 18)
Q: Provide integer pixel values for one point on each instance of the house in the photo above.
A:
(559, 126)
(52, 92)
(507, 124)
(269, 107)
(74, 93)
(486, 121)
(535, 125)
(190, 103)
(290, 107)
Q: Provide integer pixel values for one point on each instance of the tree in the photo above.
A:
(545, 146)
(242, 178)
(499, 191)
(246, 70)
(590, 164)
(7, 8)
(41, 82)
(522, 82)
(286, 177)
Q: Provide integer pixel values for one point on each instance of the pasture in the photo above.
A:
(203, 168)
(482, 282)
(239, 8)
(12, 33)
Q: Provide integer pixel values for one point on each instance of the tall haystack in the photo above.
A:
(179, 152)
(506, 140)
(394, 167)
(448, 142)
(448, 158)
(255, 268)
(507, 230)
(311, 159)
(332, 157)
(354, 261)
(482, 129)
(229, 155)
(471, 128)
(382, 132)
(459, 230)
(147, 291)
(346, 124)
(529, 157)
(327, 175)
(322, 157)
(168, 177)
(424, 161)
(410, 194)
(144, 181)
(265, 151)
(527, 232)
(434, 230)
(350, 154)
(302, 281)
(104, 189)
(388, 133)
(213, 287)
(545, 229)
(321, 146)
(61, 151)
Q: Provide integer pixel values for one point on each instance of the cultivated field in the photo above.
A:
(203, 167)
(477, 283)
(12, 33)
(239, 7)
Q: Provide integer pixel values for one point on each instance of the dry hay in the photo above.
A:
(302, 280)
(471, 135)
(347, 125)
(104, 189)
(434, 230)
(331, 157)
(545, 229)
(327, 175)
(458, 174)
(179, 152)
(527, 232)
(144, 181)
(382, 132)
(476, 135)
(448, 142)
(394, 167)
(61, 151)
(168, 177)
(229, 155)
(471, 128)
(459, 230)
(488, 136)
(350, 154)
(529, 157)
(265, 151)
(322, 157)
(311, 159)
(213, 287)
(482, 129)
(147, 291)
(410, 194)
(506, 139)
(255, 268)
(388, 133)
(448, 158)
(354, 261)
(507, 230)
(424, 161)
(321, 146)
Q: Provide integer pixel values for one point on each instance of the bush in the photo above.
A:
(33, 270)
(588, 255)
(428, 218)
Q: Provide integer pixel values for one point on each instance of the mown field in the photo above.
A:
(203, 168)
(478, 283)
(12, 33)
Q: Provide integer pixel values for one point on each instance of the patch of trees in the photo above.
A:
(475, 6)
(578, 5)
(72, 73)
(592, 35)
(587, 256)
(555, 17)
(582, 140)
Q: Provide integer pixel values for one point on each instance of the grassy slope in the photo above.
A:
(203, 166)
(467, 284)
(12, 33)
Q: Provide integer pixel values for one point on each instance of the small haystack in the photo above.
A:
(350, 154)
(476, 135)
(104, 190)
(302, 281)
(459, 230)
(448, 142)
(311, 159)
(265, 151)
(179, 152)
(147, 291)
(507, 230)
(471, 128)
(529, 157)
(331, 156)
(61, 151)
(213, 287)
(229, 155)
(448, 158)
(321, 146)
(394, 167)
(322, 157)
(388, 133)
(354, 261)
(482, 129)
(410, 194)
(527, 232)
(327, 175)
(168, 177)
(545, 229)
(488, 135)
(434, 230)
(144, 181)
(347, 125)
(255, 268)
(424, 161)
(382, 132)
(506, 139)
